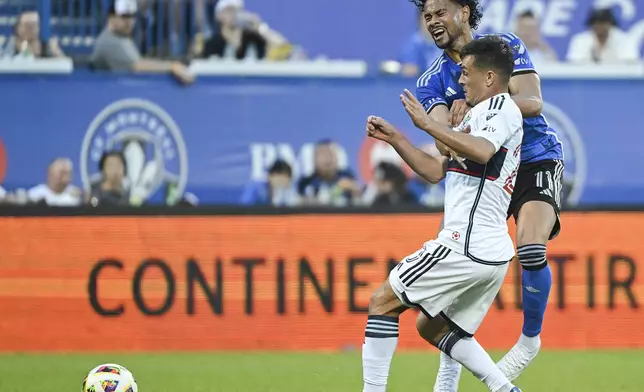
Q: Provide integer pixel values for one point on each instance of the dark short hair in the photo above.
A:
(475, 9)
(324, 142)
(491, 53)
(280, 166)
(601, 15)
(115, 154)
(388, 171)
(527, 14)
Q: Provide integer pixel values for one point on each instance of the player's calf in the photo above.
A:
(535, 224)
(536, 281)
(381, 338)
(461, 346)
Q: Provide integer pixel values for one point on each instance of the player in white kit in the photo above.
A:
(454, 279)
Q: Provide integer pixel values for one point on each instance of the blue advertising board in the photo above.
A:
(214, 137)
(376, 31)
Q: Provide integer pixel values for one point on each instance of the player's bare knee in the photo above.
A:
(448, 335)
(384, 302)
(431, 329)
(535, 222)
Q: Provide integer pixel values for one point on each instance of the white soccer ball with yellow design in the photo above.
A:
(109, 377)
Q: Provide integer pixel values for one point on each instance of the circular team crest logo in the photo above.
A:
(149, 139)
(574, 177)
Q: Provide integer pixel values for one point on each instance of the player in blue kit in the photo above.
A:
(536, 198)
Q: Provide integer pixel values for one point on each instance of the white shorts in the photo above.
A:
(440, 281)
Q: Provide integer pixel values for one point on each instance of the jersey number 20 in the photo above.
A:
(509, 186)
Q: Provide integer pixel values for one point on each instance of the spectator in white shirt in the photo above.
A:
(3, 195)
(528, 29)
(26, 41)
(58, 191)
(604, 42)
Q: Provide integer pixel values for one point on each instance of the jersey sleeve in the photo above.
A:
(522, 61)
(429, 91)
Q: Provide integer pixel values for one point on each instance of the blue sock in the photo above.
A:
(536, 281)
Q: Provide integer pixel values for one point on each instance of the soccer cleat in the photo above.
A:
(449, 374)
(515, 389)
(447, 382)
(519, 357)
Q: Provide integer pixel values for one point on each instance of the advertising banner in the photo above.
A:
(287, 282)
(217, 136)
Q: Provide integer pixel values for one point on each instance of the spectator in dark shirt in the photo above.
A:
(328, 185)
(277, 190)
(110, 190)
(244, 35)
(391, 185)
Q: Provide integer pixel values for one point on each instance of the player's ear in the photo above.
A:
(465, 14)
(489, 78)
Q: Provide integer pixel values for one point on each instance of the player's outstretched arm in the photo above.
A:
(432, 169)
(475, 148)
(525, 90)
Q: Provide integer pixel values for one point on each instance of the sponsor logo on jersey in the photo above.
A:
(519, 49)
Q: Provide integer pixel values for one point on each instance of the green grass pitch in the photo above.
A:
(574, 371)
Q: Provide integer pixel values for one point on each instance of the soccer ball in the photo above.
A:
(109, 377)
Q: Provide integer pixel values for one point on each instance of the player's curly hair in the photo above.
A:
(475, 9)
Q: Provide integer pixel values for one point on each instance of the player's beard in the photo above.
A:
(446, 42)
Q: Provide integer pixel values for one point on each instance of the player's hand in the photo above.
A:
(415, 110)
(379, 128)
(454, 155)
(457, 158)
(458, 111)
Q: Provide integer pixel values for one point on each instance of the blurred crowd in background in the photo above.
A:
(164, 35)
(329, 185)
(155, 36)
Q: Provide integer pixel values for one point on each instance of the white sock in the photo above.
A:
(381, 339)
(530, 343)
(520, 356)
(470, 354)
(449, 374)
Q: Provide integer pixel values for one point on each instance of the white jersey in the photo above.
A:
(477, 198)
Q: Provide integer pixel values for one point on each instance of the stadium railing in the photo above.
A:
(165, 28)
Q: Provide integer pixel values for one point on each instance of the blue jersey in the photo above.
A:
(439, 86)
